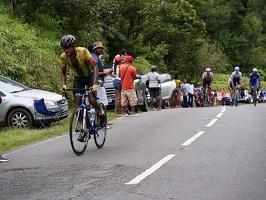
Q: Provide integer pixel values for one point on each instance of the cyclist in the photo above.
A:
(236, 80)
(254, 80)
(81, 62)
(206, 80)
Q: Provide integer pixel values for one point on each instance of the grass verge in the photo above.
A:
(14, 138)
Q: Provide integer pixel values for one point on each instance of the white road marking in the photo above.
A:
(223, 109)
(219, 115)
(211, 123)
(36, 144)
(189, 141)
(149, 171)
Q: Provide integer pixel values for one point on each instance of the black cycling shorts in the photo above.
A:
(81, 83)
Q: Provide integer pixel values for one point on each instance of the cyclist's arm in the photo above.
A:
(63, 75)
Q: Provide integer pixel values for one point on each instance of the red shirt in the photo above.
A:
(127, 76)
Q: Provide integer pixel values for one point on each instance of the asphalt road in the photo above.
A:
(194, 153)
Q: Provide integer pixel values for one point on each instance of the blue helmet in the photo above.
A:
(237, 68)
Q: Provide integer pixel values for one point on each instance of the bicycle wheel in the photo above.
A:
(100, 135)
(254, 97)
(75, 129)
(236, 98)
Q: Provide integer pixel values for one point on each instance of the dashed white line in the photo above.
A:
(211, 123)
(149, 171)
(219, 115)
(189, 141)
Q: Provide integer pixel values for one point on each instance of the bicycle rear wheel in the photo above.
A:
(75, 129)
(100, 135)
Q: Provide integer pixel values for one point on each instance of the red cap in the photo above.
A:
(129, 59)
(118, 59)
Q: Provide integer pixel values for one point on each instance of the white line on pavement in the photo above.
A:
(150, 170)
(219, 115)
(190, 140)
(211, 123)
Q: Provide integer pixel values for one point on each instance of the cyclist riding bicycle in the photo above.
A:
(236, 80)
(81, 62)
(207, 78)
(254, 80)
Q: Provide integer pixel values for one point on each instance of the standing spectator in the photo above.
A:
(117, 85)
(223, 97)
(154, 87)
(127, 73)
(97, 51)
(219, 97)
(118, 59)
(190, 88)
(2, 159)
(184, 88)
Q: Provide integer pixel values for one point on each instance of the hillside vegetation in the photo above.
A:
(30, 54)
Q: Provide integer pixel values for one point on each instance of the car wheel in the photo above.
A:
(20, 118)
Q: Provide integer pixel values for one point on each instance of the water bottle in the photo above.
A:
(92, 114)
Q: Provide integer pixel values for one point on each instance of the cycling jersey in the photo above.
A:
(236, 77)
(207, 78)
(254, 79)
(83, 56)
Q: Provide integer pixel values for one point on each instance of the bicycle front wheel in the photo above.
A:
(100, 135)
(255, 97)
(76, 130)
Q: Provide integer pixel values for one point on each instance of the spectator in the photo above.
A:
(190, 88)
(2, 159)
(118, 59)
(127, 73)
(184, 88)
(223, 97)
(219, 97)
(154, 87)
(175, 98)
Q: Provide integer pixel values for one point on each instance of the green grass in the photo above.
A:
(14, 138)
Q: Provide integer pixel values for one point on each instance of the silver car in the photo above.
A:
(17, 107)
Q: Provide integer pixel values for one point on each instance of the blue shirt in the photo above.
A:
(253, 79)
(100, 65)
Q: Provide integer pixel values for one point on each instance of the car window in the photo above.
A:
(11, 86)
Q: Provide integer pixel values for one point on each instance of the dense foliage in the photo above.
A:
(179, 36)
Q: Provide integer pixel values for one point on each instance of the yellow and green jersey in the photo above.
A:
(83, 56)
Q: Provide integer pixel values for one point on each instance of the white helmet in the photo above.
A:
(255, 70)
(208, 69)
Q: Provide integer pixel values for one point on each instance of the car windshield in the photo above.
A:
(11, 86)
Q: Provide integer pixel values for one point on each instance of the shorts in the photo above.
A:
(236, 80)
(117, 84)
(205, 83)
(81, 82)
(101, 95)
(154, 92)
(129, 96)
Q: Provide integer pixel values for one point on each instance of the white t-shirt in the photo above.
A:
(184, 87)
(190, 88)
(153, 78)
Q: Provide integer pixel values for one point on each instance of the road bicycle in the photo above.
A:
(85, 123)
(206, 97)
(254, 90)
(235, 96)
